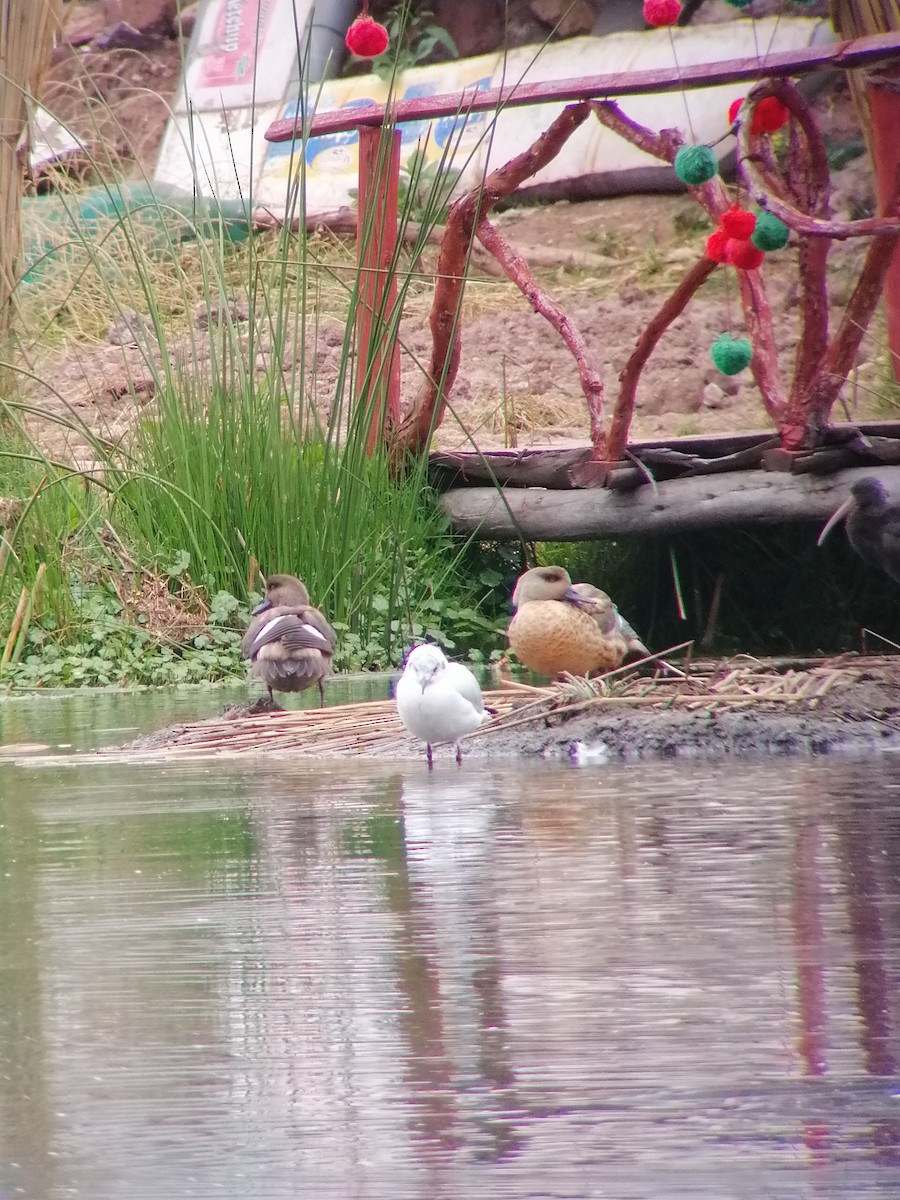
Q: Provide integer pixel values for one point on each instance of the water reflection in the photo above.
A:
(344, 980)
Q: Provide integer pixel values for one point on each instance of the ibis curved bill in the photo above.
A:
(873, 525)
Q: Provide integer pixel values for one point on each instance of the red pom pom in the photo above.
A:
(733, 109)
(366, 38)
(661, 12)
(743, 255)
(769, 115)
(738, 223)
(715, 246)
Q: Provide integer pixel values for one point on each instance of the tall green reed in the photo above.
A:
(243, 460)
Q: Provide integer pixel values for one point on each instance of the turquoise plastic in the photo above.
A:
(160, 214)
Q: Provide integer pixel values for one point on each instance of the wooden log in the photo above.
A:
(550, 468)
(677, 506)
(518, 468)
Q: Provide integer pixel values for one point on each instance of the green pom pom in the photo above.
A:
(744, 3)
(695, 165)
(731, 354)
(770, 232)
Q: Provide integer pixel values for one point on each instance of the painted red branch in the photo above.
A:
(812, 412)
(664, 144)
(767, 190)
(517, 270)
(612, 449)
(807, 177)
(812, 262)
(428, 410)
(761, 331)
(714, 198)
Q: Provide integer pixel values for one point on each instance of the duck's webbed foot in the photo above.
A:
(265, 704)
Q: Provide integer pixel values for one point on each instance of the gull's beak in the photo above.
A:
(426, 679)
(837, 515)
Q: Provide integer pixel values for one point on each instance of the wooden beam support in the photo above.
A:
(844, 55)
(377, 383)
(677, 506)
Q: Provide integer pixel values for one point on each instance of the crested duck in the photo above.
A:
(560, 626)
(873, 525)
(438, 700)
(289, 643)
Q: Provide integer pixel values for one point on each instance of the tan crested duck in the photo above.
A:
(560, 626)
(289, 643)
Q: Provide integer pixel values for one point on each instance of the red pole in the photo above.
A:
(884, 107)
(377, 352)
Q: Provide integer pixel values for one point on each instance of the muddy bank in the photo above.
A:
(846, 706)
(654, 735)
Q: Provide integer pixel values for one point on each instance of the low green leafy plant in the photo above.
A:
(414, 36)
(107, 648)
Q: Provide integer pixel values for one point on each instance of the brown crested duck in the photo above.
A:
(289, 643)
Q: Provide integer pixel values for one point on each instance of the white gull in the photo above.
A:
(437, 700)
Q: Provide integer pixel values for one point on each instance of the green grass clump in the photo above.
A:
(142, 567)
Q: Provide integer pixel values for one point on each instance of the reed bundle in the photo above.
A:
(27, 31)
(373, 728)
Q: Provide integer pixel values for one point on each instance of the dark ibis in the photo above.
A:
(873, 525)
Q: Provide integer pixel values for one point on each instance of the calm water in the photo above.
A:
(297, 981)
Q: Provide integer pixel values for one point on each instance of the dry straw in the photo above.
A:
(372, 728)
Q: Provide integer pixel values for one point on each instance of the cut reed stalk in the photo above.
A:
(27, 30)
(34, 596)
(14, 629)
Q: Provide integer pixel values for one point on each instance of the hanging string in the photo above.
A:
(664, 14)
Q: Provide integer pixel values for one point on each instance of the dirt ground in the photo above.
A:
(607, 262)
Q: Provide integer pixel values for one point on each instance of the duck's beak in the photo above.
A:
(837, 515)
(570, 596)
(261, 608)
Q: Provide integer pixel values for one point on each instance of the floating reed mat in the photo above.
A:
(373, 727)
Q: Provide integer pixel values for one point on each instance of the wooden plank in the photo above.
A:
(518, 468)
(843, 55)
(550, 468)
(678, 506)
